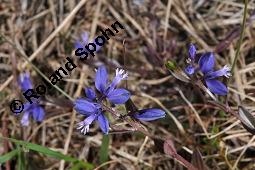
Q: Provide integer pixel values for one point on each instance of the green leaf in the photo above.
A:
(46, 151)
(43, 150)
(81, 165)
(103, 153)
(21, 159)
(8, 156)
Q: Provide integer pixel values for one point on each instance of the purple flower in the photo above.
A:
(91, 106)
(149, 114)
(34, 109)
(190, 69)
(93, 112)
(109, 90)
(84, 40)
(192, 52)
(24, 81)
(206, 65)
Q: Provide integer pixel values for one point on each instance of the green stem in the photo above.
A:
(241, 36)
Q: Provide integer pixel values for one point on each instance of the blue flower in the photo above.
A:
(83, 41)
(93, 111)
(149, 114)
(109, 90)
(206, 65)
(192, 52)
(91, 106)
(24, 81)
(190, 69)
(34, 109)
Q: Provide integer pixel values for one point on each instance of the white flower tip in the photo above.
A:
(120, 73)
(227, 71)
(83, 128)
(188, 60)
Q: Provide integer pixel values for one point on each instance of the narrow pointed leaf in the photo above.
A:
(247, 119)
(8, 156)
(46, 151)
(103, 153)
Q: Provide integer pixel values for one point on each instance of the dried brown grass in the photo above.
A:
(154, 32)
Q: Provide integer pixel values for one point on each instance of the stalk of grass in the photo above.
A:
(45, 151)
(241, 36)
(36, 69)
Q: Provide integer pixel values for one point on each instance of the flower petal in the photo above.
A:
(90, 119)
(85, 37)
(118, 96)
(85, 124)
(98, 47)
(120, 74)
(216, 87)
(101, 79)
(38, 113)
(206, 62)
(84, 107)
(225, 71)
(192, 51)
(90, 93)
(27, 107)
(149, 114)
(84, 40)
(24, 81)
(103, 123)
(78, 44)
(190, 70)
(25, 119)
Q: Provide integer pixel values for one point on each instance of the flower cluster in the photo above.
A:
(92, 106)
(34, 109)
(206, 65)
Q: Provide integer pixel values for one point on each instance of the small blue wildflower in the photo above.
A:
(192, 52)
(80, 43)
(24, 81)
(93, 112)
(109, 90)
(34, 109)
(206, 65)
(190, 69)
(149, 114)
(91, 106)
